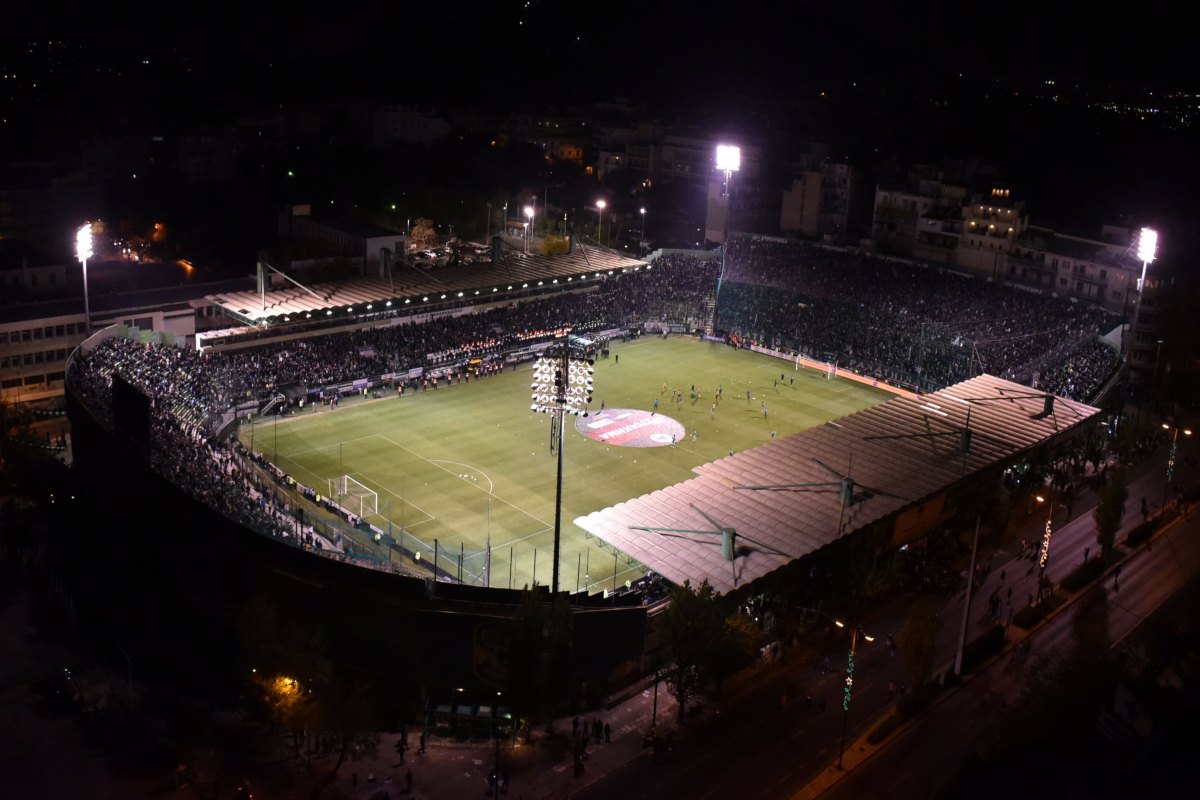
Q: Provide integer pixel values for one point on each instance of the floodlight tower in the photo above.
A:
(528, 226)
(600, 206)
(642, 238)
(1147, 249)
(83, 251)
(562, 385)
(729, 161)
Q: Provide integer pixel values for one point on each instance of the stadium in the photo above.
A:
(366, 451)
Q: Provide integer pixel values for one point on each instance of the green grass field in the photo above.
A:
(453, 464)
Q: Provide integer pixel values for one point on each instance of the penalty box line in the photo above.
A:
(493, 495)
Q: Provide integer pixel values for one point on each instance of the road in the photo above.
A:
(916, 763)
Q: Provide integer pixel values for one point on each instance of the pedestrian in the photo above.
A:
(1086, 550)
(421, 749)
(1003, 574)
(616, 359)
(607, 732)
(1145, 510)
(712, 410)
(655, 407)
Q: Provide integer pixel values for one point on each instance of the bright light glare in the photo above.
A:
(600, 204)
(529, 211)
(1147, 245)
(729, 157)
(83, 242)
(839, 623)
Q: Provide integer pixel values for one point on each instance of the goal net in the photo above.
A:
(354, 496)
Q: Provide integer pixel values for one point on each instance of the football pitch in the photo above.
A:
(470, 463)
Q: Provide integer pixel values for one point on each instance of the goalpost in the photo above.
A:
(354, 496)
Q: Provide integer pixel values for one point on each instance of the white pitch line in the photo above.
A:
(511, 505)
(491, 486)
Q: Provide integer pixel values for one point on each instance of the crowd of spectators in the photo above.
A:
(908, 323)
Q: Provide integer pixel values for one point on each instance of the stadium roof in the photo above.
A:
(421, 288)
(899, 454)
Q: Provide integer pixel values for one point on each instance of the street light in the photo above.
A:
(83, 251)
(642, 239)
(600, 206)
(847, 690)
(1171, 458)
(1044, 557)
(855, 630)
(528, 226)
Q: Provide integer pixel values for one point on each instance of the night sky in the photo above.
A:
(1017, 84)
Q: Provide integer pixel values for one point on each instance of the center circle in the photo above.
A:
(630, 427)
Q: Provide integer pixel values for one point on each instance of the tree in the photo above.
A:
(1110, 511)
(918, 641)
(690, 626)
(733, 651)
(525, 659)
(423, 236)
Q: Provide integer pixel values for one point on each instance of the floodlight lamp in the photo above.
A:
(529, 211)
(868, 637)
(1166, 427)
(839, 623)
(600, 204)
(1147, 245)
(1041, 499)
(83, 242)
(643, 211)
(729, 157)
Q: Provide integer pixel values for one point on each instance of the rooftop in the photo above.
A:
(783, 499)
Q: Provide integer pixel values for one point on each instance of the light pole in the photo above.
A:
(642, 238)
(1044, 557)
(1154, 379)
(855, 630)
(528, 226)
(1147, 247)
(848, 688)
(1171, 458)
(600, 206)
(83, 251)
(729, 161)
(562, 385)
